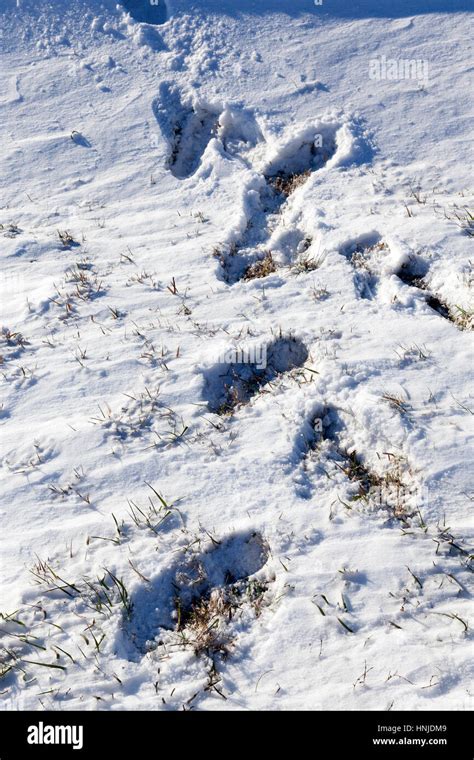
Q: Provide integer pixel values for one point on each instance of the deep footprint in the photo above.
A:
(360, 253)
(231, 385)
(170, 599)
(413, 273)
(249, 258)
(187, 127)
(389, 491)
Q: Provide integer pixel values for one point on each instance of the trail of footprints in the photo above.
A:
(230, 386)
(203, 587)
(196, 598)
(188, 126)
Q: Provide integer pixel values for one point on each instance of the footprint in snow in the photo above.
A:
(231, 384)
(188, 126)
(365, 254)
(413, 273)
(168, 602)
(293, 162)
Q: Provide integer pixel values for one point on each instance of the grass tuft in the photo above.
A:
(286, 183)
(261, 268)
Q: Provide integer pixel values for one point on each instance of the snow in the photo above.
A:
(223, 491)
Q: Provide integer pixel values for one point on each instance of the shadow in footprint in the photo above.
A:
(291, 168)
(147, 11)
(239, 131)
(187, 127)
(232, 384)
(362, 254)
(413, 273)
(319, 439)
(302, 155)
(392, 490)
(171, 597)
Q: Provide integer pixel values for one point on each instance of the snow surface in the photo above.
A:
(316, 504)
